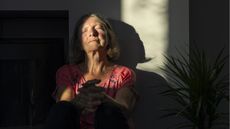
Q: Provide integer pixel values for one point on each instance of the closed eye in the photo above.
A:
(99, 27)
(84, 30)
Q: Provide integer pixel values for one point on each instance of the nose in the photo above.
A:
(93, 32)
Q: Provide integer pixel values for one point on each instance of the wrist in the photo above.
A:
(75, 101)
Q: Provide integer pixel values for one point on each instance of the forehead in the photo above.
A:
(92, 20)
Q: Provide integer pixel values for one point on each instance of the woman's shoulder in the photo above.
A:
(67, 68)
(124, 70)
(125, 75)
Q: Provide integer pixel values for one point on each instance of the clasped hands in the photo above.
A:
(90, 96)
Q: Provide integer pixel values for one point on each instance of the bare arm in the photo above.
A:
(64, 94)
(125, 99)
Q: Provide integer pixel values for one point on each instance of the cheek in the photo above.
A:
(103, 36)
(83, 41)
(83, 35)
(83, 38)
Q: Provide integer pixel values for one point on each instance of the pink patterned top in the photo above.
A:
(71, 76)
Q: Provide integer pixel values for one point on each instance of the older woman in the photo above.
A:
(92, 91)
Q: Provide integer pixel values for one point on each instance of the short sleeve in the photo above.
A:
(127, 77)
(63, 76)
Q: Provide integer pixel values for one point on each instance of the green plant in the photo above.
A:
(198, 86)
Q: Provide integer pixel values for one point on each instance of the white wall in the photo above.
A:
(162, 26)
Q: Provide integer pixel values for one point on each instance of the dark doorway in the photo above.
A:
(28, 62)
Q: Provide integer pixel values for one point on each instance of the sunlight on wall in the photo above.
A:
(150, 20)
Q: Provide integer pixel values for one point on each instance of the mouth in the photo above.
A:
(94, 40)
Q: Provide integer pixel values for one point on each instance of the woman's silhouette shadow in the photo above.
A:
(149, 85)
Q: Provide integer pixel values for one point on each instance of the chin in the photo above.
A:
(96, 48)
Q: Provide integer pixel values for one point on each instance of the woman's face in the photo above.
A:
(93, 35)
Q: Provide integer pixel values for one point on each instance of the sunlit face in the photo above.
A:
(93, 34)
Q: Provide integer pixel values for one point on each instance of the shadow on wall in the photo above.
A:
(149, 84)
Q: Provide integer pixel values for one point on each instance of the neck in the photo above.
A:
(96, 62)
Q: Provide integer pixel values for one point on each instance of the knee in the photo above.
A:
(109, 116)
(63, 108)
(62, 115)
(63, 105)
(108, 110)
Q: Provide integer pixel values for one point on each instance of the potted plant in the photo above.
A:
(197, 85)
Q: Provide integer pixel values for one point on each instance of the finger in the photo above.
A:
(93, 103)
(81, 90)
(96, 96)
(91, 83)
(94, 81)
(96, 103)
(84, 99)
(92, 89)
(87, 110)
(96, 89)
